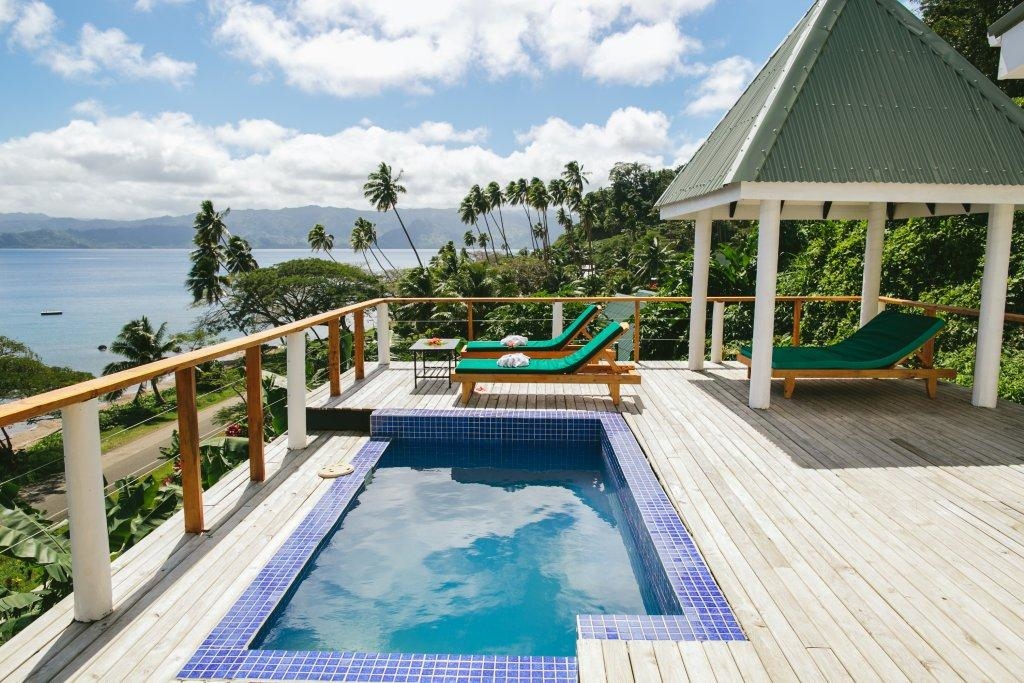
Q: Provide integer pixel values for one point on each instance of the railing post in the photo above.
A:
(557, 319)
(699, 290)
(296, 364)
(383, 335)
(636, 331)
(188, 442)
(469, 321)
(254, 409)
(717, 330)
(798, 308)
(90, 549)
(334, 355)
(359, 343)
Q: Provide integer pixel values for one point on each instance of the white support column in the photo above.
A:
(557, 319)
(764, 304)
(383, 335)
(295, 362)
(993, 306)
(699, 290)
(717, 330)
(90, 549)
(872, 282)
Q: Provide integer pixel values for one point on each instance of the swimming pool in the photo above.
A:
(478, 544)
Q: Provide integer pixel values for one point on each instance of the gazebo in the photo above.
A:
(864, 113)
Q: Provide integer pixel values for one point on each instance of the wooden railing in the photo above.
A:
(80, 412)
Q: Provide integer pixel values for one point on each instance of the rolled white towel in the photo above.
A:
(514, 360)
(514, 340)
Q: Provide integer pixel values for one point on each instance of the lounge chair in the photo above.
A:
(875, 350)
(559, 346)
(578, 367)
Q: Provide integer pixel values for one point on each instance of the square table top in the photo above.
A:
(445, 345)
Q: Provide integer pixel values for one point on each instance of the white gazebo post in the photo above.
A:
(764, 304)
(383, 335)
(699, 291)
(557, 319)
(871, 285)
(993, 306)
(90, 549)
(295, 363)
(717, 331)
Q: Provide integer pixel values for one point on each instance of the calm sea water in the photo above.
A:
(99, 290)
(470, 560)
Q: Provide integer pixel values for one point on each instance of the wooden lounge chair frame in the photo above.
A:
(928, 372)
(565, 350)
(606, 371)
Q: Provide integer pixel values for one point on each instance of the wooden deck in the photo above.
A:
(860, 531)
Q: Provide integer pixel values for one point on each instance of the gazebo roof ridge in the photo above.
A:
(904, 91)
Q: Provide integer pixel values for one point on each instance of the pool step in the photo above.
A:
(339, 419)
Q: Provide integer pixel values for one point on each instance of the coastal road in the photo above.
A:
(136, 457)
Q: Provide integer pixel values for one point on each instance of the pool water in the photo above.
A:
(462, 548)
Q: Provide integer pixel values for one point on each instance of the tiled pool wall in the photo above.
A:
(679, 575)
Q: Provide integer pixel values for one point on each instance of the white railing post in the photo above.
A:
(383, 335)
(296, 364)
(90, 548)
(993, 306)
(557, 322)
(717, 330)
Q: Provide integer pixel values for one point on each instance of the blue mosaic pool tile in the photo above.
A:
(698, 610)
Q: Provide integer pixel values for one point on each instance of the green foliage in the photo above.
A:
(139, 507)
(964, 25)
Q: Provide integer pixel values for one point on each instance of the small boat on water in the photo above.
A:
(52, 313)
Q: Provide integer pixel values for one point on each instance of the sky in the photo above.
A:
(138, 108)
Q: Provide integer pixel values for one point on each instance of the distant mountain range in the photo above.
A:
(264, 228)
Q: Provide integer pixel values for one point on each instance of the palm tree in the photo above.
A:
(538, 198)
(215, 249)
(515, 193)
(469, 239)
(495, 198)
(360, 243)
(370, 228)
(575, 178)
(139, 343)
(587, 212)
(479, 201)
(382, 190)
(321, 240)
(468, 214)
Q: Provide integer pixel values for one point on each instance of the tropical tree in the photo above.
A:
(515, 193)
(382, 190)
(539, 200)
(370, 228)
(469, 215)
(360, 243)
(215, 250)
(321, 240)
(480, 205)
(495, 198)
(140, 344)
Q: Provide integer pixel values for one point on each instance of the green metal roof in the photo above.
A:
(862, 91)
(1007, 21)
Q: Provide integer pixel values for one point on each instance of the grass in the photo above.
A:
(19, 576)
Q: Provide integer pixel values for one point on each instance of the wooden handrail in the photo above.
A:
(83, 391)
(40, 404)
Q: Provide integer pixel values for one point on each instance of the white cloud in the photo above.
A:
(90, 108)
(360, 47)
(34, 26)
(135, 166)
(149, 5)
(722, 85)
(640, 56)
(97, 54)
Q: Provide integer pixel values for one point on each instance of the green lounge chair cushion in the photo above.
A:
(542, 344)
(545, 366)
(890, 337)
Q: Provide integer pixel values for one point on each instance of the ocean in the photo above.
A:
(99, 290)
